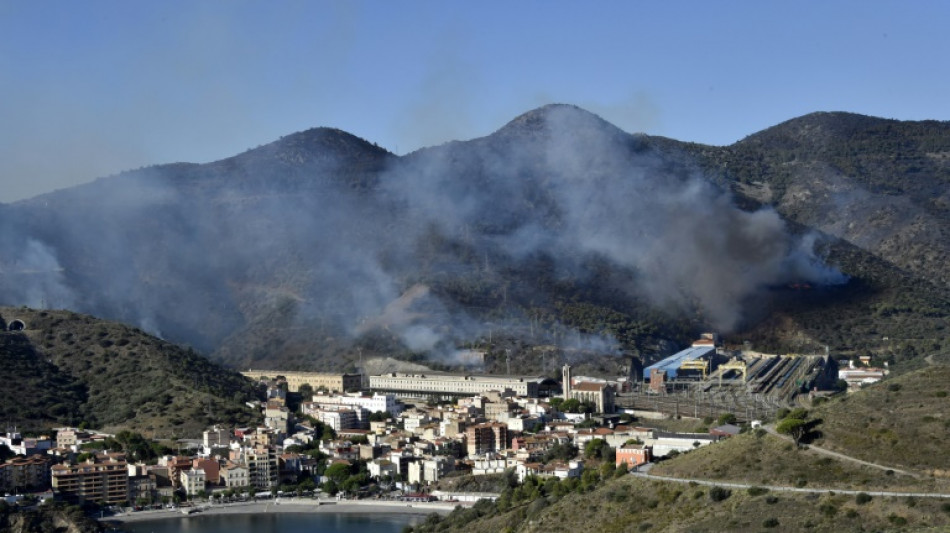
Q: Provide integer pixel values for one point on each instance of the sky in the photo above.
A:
(89, 89)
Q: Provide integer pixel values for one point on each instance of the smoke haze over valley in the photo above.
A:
(321, 241)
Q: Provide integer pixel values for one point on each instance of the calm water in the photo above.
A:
(280, 523)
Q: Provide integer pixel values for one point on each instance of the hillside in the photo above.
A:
(901, 422)
(70, 368)
(635, 504)
(883, 185)
(557, 238)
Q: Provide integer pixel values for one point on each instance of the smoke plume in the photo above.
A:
(323, 232)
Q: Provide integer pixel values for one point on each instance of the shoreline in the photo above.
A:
(291, 506)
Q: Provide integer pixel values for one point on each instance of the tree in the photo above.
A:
(330, 487)
(798, 412)
(305, 391)
(594, 449)
(338, 472)
(571, 406)
(306, 485)
(727, 418)
(793, 427)
(379, 416)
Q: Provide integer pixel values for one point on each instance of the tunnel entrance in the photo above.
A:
(16, 325)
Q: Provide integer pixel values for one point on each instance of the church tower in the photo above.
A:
(566, 375)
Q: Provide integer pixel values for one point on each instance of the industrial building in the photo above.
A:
(695, 358)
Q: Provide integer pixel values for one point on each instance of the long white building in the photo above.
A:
(427, 383)
(375, 403)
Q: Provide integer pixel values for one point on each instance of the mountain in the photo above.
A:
(557, 238)
(71, 369)
(883, 185)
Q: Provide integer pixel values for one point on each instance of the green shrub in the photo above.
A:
(862, 498)
(770, 522)
(897, 520)
(757, 491)
(718, 494)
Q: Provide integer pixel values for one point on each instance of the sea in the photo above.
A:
(278, 523)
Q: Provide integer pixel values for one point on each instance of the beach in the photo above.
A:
(293, 505)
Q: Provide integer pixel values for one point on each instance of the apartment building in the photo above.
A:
(102, 479)
(25, 473)
(262, 468)
(485, 438)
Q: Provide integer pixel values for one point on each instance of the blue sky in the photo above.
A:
(91, 88)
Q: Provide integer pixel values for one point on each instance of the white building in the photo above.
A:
(192, 481)
(216, 437)
(664, 443)
(380, 467)
(573, 469)
(429, 470)
(235, 476)
(412, 421)
(454, 384)
(338, 419)
(374, 404)
(490, 463)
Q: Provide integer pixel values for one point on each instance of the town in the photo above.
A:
(397, 435)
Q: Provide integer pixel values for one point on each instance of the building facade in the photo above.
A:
(193, 481)
(486, 438)
(102, 479)
(234, 476)
(25, 473)
(443, 383)
(316, 380)
(262, 469)
(633, 455)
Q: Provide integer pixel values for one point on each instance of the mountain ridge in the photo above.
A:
(279, 253)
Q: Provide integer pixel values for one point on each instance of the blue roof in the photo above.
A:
(672, 363)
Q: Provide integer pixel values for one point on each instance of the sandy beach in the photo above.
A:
(295, 505)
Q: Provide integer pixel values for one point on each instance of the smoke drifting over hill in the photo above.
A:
(339, 230)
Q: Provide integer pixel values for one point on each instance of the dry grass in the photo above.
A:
(768, 460)
(901, 422)
(631, 504)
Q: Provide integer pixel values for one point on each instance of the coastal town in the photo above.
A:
(393, 436)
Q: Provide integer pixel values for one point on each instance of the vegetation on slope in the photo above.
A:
(73, 369)
(758, 458)
(902, 421)
(880, 184)
(630, 503)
